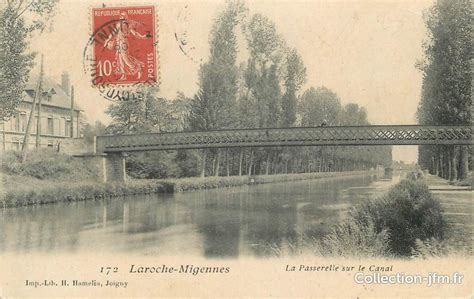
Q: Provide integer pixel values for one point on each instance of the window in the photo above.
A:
(68, 128)
(63, 126)
(23, 121)
(15, 124)
(50, 125)
(16, 144)
(34, 124)
(50, 143)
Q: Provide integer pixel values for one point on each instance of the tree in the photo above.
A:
(145, 114)
(40, 12)
(294, 78)
(90, 131)
(264, 43)
(216, 100)
(152, 114)
(179, 111)
(353, 115)
(15, 64)
(318, 106)
(261, 98)
(261, 76)
(214, 106)
(446, 89)
(15, 33)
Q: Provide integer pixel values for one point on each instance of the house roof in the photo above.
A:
(59, 97)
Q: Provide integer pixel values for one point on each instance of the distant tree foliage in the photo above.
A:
(447, 76)
(322, 107)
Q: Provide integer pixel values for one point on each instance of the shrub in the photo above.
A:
(399, 223)
(356, 239)
(150, 165)
(408, 212)
(10, 162)
(187, 164)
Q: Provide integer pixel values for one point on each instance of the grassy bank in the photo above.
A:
(49, 177)
(191, 184)
(42, 192)
(467, 182)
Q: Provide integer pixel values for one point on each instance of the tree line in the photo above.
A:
(264, 91)
(447, 84)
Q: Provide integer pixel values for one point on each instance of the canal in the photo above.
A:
(258, 220)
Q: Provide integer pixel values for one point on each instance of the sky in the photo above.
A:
(365, 51)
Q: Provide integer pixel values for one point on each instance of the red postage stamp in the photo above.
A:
(124, 47)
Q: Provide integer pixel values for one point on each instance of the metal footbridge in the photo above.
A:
(296, 136)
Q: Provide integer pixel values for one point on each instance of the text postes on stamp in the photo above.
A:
(124, 46)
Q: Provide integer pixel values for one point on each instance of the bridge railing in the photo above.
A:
(303, 136)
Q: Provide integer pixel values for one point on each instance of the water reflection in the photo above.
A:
(249, 220)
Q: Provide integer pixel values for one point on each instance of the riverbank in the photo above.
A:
(457, 208)
(19, 191)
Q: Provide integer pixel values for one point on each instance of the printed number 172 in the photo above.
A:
(108, 270)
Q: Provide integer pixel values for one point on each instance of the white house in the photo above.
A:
(59, 117)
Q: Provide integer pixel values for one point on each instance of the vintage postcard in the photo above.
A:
(236, 148)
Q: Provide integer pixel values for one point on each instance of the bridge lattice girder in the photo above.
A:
(275, 137)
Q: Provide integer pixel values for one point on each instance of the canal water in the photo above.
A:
(257, 220)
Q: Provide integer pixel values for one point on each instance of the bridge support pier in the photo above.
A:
(108, 167)
(114, 168)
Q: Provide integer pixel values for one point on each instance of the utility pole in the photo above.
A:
(38, 93)
(72, 111)
(38, 122)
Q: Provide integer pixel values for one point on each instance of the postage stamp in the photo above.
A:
(122, 50)
(125, 52)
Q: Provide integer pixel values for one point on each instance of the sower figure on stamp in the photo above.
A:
(126, 64)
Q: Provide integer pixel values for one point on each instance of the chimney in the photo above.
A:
(65, 82)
